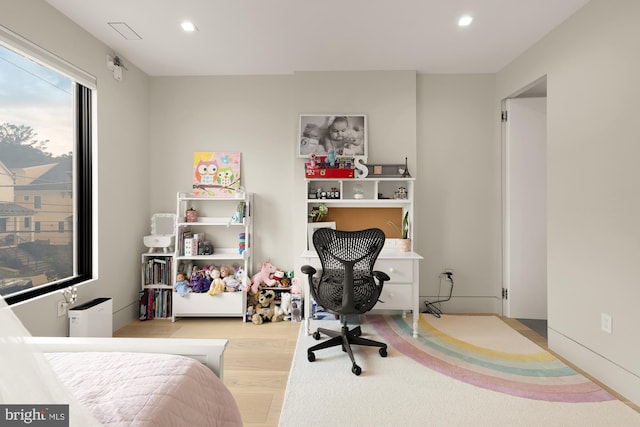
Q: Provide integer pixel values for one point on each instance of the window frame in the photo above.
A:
(84, 88)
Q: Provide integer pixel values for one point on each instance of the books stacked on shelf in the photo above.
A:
(188, 241)
(157, 271)
(155, 303)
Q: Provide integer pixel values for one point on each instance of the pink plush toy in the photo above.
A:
(295, 286)
(263, 276)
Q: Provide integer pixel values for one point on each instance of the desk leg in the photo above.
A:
(307, 307)
(416, 297)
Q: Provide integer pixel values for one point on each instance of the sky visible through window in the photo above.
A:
(35, 96)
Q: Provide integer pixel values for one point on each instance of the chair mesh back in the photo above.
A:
(347, 256)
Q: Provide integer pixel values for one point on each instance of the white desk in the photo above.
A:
(402, 292)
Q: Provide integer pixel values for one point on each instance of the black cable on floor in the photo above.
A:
(431, 308)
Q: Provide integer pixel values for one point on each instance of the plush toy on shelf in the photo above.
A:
(217, 285)
(285, 305)
(182, 285)
(227, 273)
(199, 282)
(263, 276)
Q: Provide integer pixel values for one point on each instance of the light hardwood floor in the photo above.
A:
(256, 362)
(258, 358)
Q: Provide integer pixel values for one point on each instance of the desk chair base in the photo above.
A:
(345, 338)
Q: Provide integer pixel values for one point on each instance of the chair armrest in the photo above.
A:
(308, 270)
(381, 276)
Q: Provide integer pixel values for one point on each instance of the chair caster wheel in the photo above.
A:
(311, 357)
(383, 352)
(356, 370)
(316, 335)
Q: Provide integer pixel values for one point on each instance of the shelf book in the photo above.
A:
(157, 271)
(155, 303)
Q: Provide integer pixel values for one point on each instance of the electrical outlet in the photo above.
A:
(62, 308)
(606, 323)
(448, 271)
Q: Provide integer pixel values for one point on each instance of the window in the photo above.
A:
(45, 171)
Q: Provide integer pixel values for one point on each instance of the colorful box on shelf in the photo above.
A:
(317, 167)
(329, 173)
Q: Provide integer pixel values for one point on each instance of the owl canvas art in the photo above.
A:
(216, 173)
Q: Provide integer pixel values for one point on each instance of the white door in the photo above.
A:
(525, 195)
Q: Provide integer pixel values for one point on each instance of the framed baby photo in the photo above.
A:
(323, 134)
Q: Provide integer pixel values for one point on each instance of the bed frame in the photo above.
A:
(210, 352)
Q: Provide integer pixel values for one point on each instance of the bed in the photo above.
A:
(145, 382)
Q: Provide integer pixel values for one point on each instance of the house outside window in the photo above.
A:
(45, 171)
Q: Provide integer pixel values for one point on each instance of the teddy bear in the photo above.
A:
(265, 308)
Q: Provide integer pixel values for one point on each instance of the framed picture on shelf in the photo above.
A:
(388, 171)
(216, 174)
(321, 134)
(313, 226)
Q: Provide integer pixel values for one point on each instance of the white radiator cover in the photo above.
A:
(92, 319)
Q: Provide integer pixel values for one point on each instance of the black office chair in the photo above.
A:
(347, 285)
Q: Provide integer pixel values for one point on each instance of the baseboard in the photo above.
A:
(476, 305)
(613, 376)
(125, 315)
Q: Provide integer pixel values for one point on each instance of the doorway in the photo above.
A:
(524, 191)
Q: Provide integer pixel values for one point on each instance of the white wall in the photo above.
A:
(258, 116)
(459, 190)
(593, 107)
(122, 164)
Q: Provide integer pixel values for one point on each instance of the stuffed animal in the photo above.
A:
(285, 304)
(240, 277)
(252, 303)
(263, 276)
(182, 285)
(265, 309)
(229, 279)
(283, 311)
(217, 285)
(295, 286)
(199, 282)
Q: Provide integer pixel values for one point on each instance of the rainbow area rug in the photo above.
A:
(462, 371)
(485, 352)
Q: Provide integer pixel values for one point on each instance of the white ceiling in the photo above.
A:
(284, 36)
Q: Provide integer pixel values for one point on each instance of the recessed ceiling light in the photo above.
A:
(189, 27)
(464, 21)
